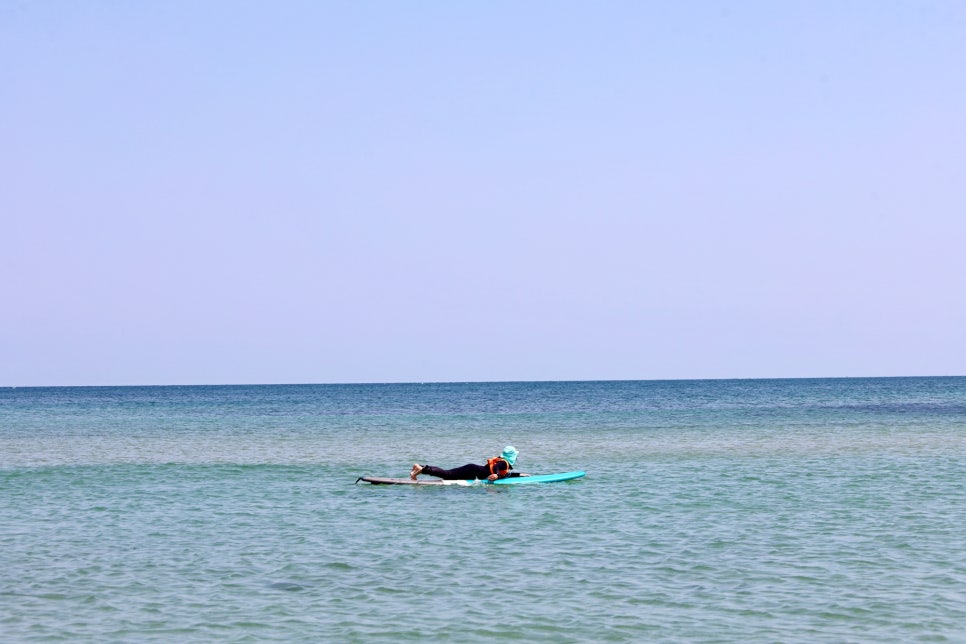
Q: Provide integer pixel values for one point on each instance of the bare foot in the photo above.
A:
(417, 468)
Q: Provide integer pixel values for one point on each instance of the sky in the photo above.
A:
(228, 192)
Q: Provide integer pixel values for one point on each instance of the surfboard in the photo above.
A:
(512, 480)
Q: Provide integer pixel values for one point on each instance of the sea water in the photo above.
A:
(712, 511)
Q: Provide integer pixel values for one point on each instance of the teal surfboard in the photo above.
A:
(512, 480)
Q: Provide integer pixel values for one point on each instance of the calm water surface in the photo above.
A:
(759, 510)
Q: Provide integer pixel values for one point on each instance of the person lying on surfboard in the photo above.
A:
(497, 467)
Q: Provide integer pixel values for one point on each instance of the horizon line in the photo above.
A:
(470, 382)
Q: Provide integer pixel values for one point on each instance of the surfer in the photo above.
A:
(497, 467)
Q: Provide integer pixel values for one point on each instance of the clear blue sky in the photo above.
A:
(259, 192)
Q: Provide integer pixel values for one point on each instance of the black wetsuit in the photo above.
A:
(467, 472)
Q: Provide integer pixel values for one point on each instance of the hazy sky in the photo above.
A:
(272, 192)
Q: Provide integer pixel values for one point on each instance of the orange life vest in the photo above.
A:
(503, 472)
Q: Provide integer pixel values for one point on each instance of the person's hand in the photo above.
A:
(492, 477)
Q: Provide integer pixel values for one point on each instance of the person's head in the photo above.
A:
(510, 454)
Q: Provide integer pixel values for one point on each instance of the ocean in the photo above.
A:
(812, 510)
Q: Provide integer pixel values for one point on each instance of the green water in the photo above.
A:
(811, 510)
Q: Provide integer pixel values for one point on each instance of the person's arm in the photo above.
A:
(503, 471)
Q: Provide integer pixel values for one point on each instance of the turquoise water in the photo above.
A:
(759, 510)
